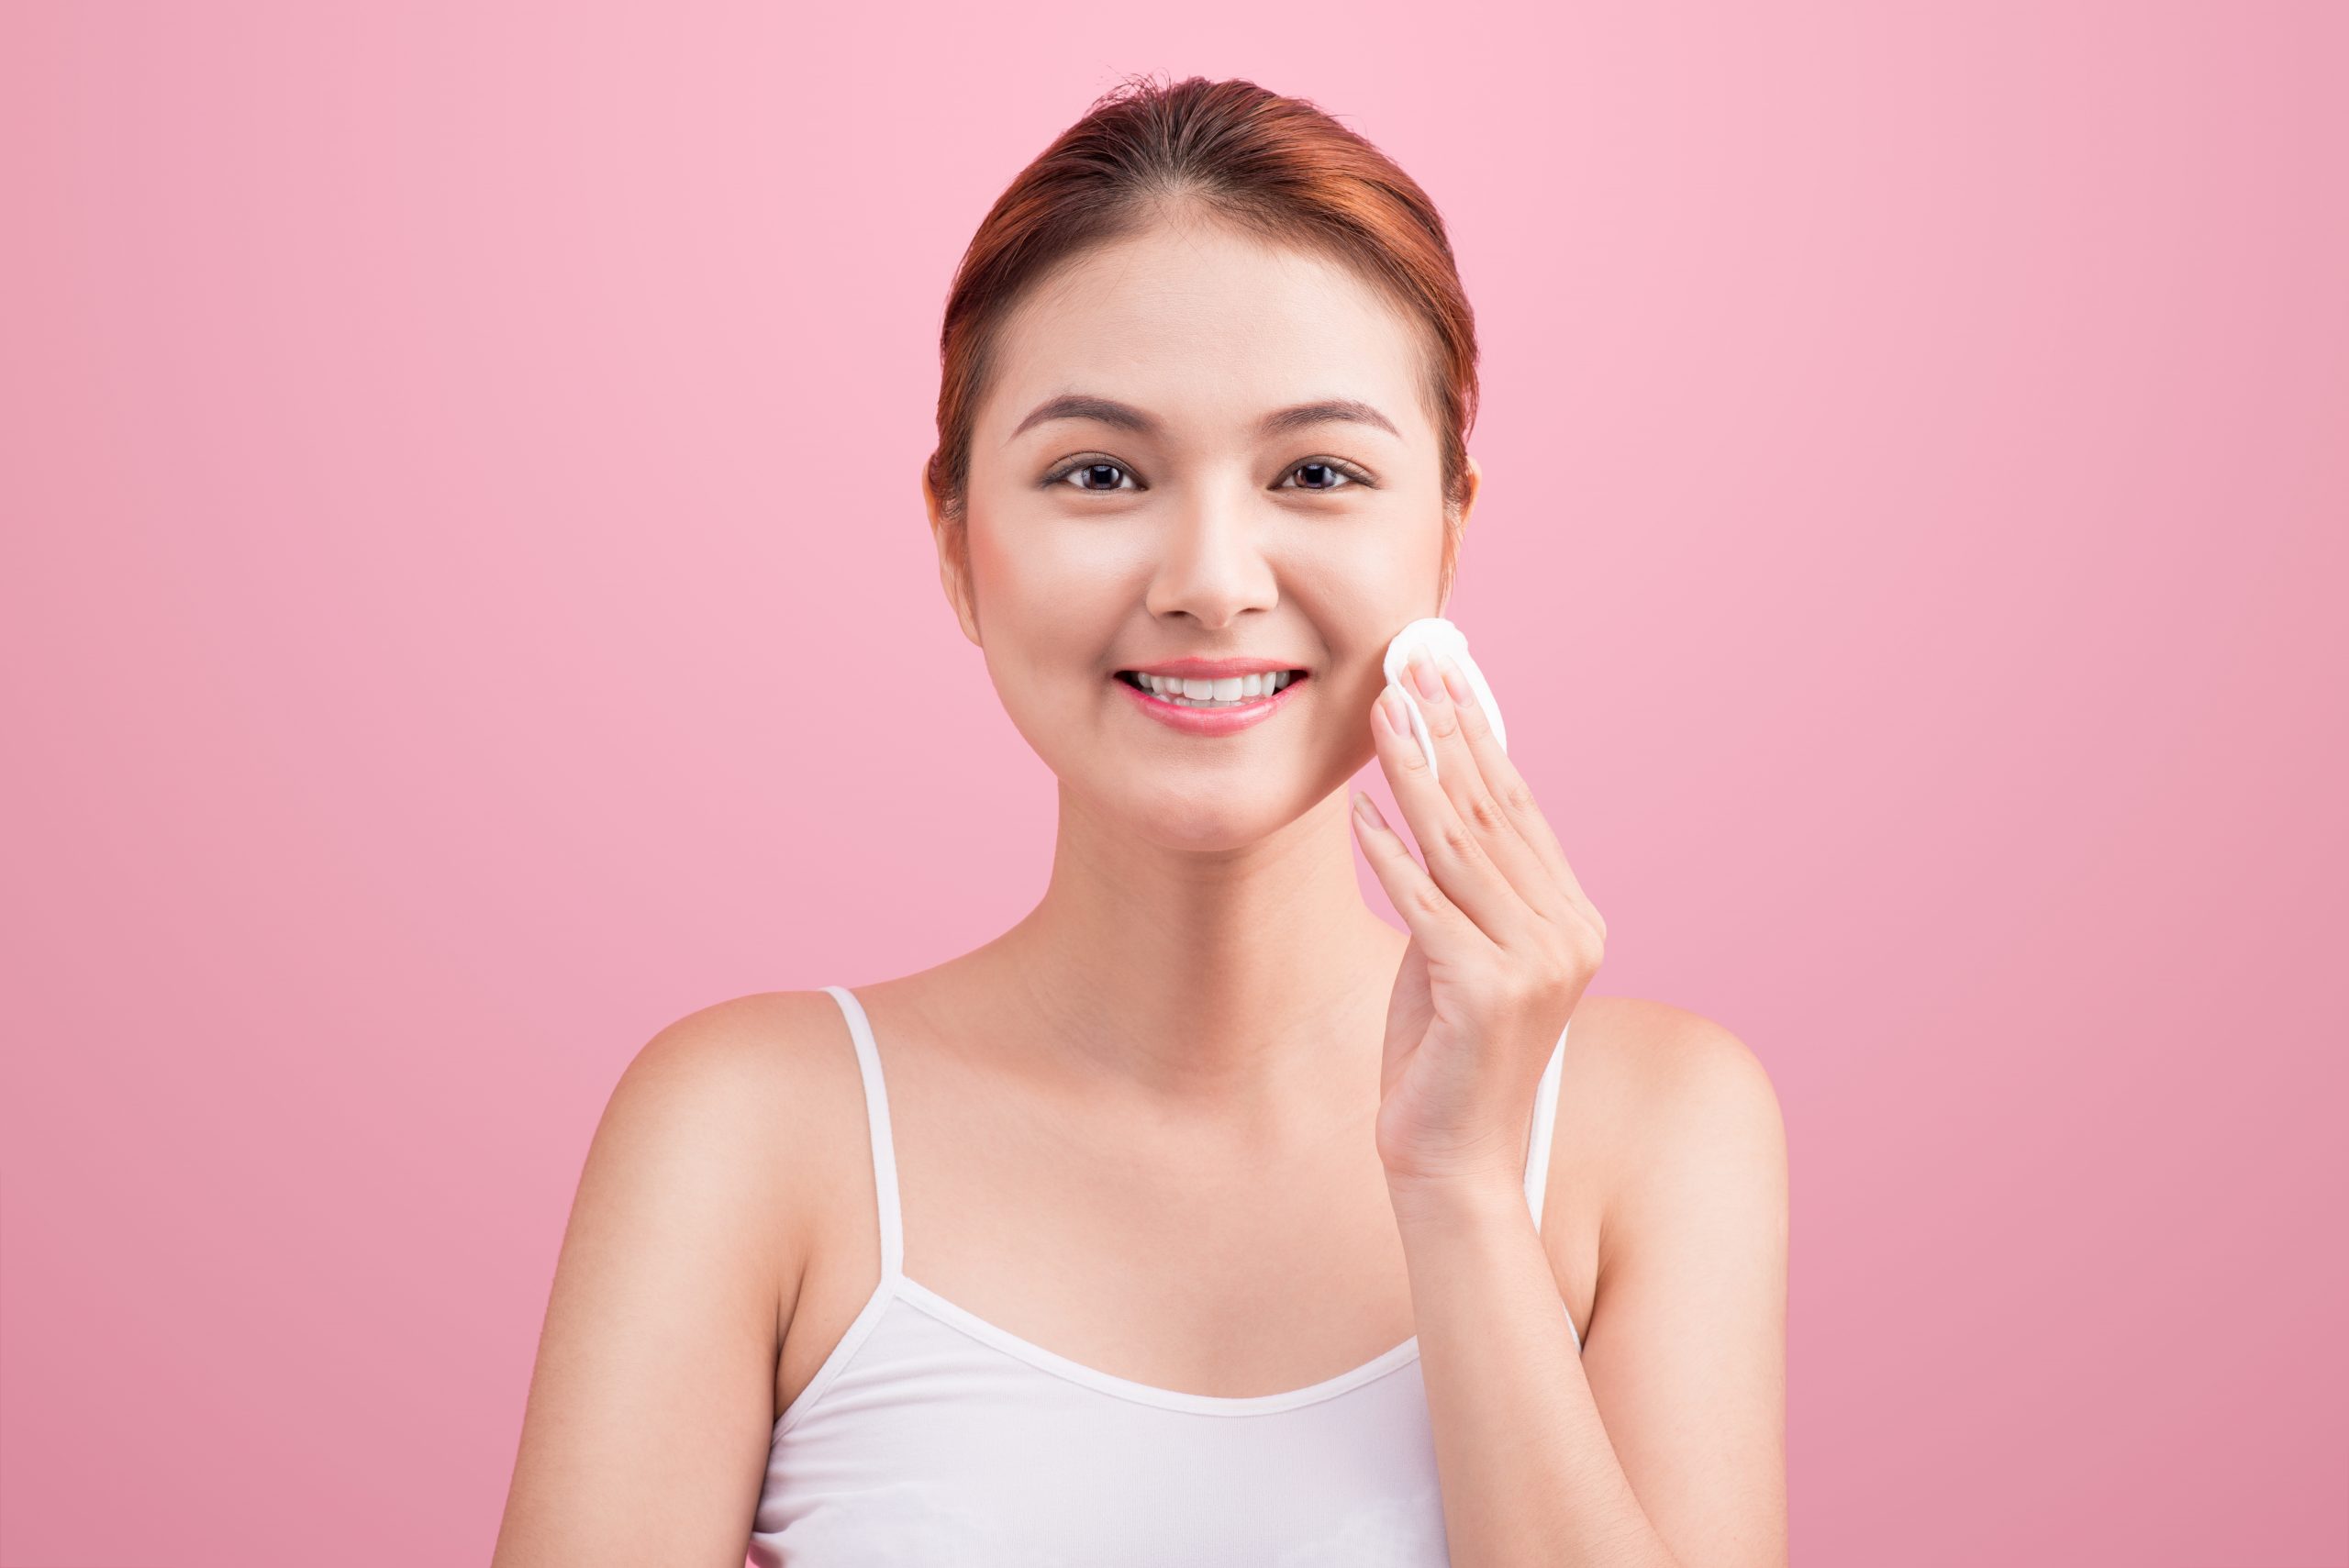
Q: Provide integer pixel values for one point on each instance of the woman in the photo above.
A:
(1202, 1217)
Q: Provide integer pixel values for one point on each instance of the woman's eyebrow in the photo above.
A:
(1126, 417)
(1335, 408)
(1078, 405)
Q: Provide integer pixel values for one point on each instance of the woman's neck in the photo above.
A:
(1241, 978)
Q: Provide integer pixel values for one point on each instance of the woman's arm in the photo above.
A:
(645, 1438)
(1684, 1469)
(1662, 1445)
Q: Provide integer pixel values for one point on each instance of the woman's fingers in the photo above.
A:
(1491, 788)
(1461, 866)
(1443, 931)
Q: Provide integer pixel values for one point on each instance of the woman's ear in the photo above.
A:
(1456, 531)
(952, 540)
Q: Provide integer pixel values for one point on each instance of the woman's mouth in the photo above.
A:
(1232, 692)
(1222, 707)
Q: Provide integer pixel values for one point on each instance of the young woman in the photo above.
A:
(1202, 1217)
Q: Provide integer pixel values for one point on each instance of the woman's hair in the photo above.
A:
(1277, 168)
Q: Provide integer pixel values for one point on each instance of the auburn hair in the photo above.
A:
(1277, 168)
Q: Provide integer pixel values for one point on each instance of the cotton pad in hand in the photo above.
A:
(1437, 637)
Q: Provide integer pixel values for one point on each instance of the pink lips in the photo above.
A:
(1208, 720)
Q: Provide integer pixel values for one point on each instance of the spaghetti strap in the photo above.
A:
(1545, 1118)
(876, 1119)
(1537, 1154)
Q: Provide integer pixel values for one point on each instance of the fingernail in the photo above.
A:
(1457, 684)
(1398, 715)
(1423, 671)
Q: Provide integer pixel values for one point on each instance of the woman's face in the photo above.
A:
(1108, 539)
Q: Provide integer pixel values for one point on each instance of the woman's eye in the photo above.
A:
(1093, 474)
(1102, 476)
(1323, 475)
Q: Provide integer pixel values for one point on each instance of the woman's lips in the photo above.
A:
(1212, 720)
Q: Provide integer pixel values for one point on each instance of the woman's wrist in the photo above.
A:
(1455, 1200)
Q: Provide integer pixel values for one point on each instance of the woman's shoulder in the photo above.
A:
(762, 1032)
(688, 1227)
(1651, 1093)
(1655, 1047)
(757, 1086)
(777, 1058)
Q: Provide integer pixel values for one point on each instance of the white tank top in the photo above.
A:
(932, 1436)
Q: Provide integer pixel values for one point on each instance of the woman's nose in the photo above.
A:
(1212, 561)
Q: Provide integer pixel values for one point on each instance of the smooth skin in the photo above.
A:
(1142, 1128)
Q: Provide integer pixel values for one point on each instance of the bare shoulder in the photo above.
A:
(1700, 1086)
(1656, 1037)
(731, 1052)
(645, 1432)
(1654, 1096)
(755, 1087)
(1658, 1071)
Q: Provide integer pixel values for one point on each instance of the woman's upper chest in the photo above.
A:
(1180, 1255)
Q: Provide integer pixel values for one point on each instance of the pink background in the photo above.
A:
(466, 604)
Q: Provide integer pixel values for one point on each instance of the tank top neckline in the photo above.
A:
(896, 1284)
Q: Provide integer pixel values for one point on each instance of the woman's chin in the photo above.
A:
(1169, 819)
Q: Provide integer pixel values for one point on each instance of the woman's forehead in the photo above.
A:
(1207, 334)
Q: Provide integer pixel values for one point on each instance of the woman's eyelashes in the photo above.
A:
(1101, 475)
(1087, 471)
(1331, 469)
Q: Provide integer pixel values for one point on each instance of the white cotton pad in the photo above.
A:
(1437, 636)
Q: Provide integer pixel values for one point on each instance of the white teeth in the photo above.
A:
(1230, 692)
